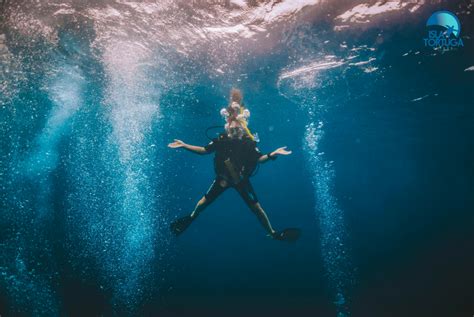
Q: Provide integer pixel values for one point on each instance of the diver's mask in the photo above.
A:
(235, 132)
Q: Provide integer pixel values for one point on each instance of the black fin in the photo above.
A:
(179, 225)
(290, 235)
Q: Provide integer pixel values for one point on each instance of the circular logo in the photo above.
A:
(448, 20)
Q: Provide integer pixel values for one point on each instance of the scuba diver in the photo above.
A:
(236, 157)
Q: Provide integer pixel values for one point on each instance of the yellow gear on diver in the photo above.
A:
(243, 122)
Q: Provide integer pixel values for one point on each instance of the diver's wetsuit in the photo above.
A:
(243, 156)
(234, 162)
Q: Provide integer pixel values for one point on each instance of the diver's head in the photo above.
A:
(236, 96)
(235, 133)
(234, 130)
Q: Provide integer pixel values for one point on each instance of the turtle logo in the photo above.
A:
(444, 31)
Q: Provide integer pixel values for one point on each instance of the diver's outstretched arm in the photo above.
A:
(192, 148)
(272, 155)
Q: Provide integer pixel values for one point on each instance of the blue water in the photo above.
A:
(381, 178)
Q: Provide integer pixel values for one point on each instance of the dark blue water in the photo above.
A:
(381, 178)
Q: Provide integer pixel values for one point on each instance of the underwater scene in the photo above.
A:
(344, 131)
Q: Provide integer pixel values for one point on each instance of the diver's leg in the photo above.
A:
(247, 193)
(200, 206)
(218, 187)
(262, 217)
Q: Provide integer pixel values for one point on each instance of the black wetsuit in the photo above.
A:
(243, 155)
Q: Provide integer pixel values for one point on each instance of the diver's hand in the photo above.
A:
(281, 151)
(192, 148)
(177, 144)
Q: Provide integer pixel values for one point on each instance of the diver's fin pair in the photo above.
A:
(289, 234)
(179, 225)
